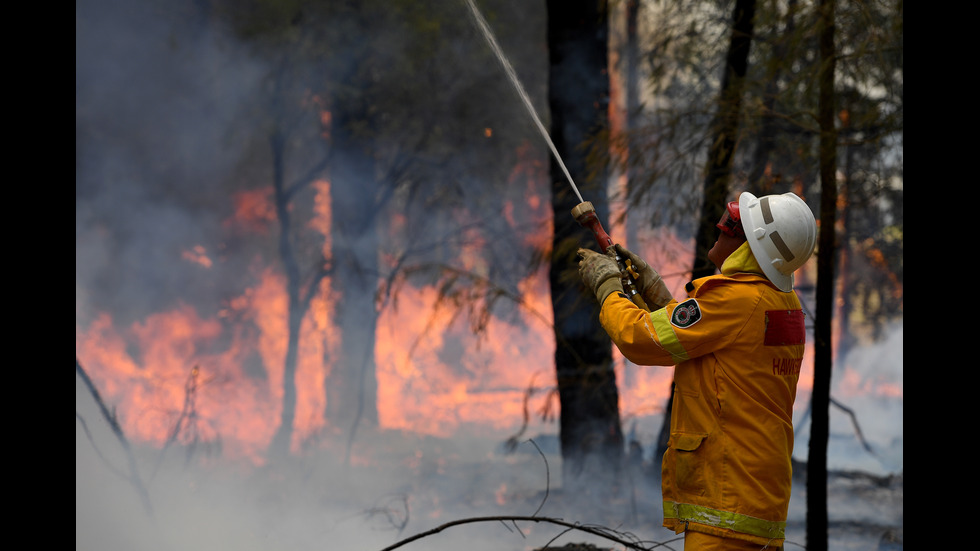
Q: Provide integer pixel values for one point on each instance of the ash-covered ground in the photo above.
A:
(393, 486)
(398, 486)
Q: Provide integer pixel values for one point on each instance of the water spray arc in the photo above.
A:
(584, 213)
(481, 23)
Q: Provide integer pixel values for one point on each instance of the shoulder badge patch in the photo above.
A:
(686, 314)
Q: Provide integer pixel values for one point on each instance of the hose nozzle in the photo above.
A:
(584, 213)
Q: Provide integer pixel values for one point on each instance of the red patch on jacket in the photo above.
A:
(784, 327)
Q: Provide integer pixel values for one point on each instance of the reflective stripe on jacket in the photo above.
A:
(737, 343)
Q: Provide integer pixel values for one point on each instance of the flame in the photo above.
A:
(435, 374)
(483, 387)
(253, 210)
(145, 383)
(142, 369)
(197, 255)
(500, 496)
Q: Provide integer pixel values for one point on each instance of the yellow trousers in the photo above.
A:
(697, 541)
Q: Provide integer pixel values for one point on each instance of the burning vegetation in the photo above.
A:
(313, 303)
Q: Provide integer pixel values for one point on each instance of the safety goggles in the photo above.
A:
(731, 223)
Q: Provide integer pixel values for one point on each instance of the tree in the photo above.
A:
(357, 199)
(391, 87)
(761, 181)
(578, 94)
(300, 287)
(816, 496)
(724, 132)
(724, 129)
(282, 120)
(308, 80)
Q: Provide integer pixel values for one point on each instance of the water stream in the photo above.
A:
(481, 23)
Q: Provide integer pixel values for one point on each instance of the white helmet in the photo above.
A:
(781, 232)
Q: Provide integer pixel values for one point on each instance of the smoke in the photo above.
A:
(400, 484)
(157, 99)
(397, 485)
(867, 422)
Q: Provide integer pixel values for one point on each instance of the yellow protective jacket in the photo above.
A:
(737, 343)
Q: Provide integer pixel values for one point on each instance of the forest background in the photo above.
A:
(354, 198)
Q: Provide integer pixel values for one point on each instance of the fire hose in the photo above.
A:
(584, 213)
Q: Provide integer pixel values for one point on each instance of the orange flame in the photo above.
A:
(435, 375)
(197, 255)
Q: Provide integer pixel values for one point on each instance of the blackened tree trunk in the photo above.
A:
(718, 168)
(761, 181)
(632, 100)
(298, 293)
(351, 386)
(578, 95)
(816, 474)
(301, 285)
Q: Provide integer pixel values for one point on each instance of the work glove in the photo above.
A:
(600, 273)
(648, 282)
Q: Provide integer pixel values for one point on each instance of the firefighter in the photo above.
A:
(737, 343)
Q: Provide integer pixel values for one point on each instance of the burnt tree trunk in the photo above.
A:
(718, 167)
(299, 289)
(281, 440)
(633, 104)
(761, 181)
(578, 95)
(816, 479)
(351, 386)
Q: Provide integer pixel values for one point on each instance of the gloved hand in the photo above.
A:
(649, 284)
(600, 273)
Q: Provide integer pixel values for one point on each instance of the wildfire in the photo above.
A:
(435, 375)
(253, 210)
(418, 391)
(197, 255)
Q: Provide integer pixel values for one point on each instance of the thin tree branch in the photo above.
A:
(593, 530)
(133, 477)
(857, 427)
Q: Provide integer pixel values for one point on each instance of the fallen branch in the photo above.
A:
(133, 477)
(593, 530)
(187, 423)
(850, 413)
(857, 428)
